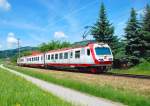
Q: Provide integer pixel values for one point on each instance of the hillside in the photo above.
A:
(13, 52)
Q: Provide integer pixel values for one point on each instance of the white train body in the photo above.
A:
(94, 56)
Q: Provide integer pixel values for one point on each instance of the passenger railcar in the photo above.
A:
(95, 57)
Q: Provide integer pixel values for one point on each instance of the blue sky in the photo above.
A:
(38, 21)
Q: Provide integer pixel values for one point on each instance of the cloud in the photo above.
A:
(60, 35)
(5, 5)
(11, 39)
(22, 25)
(119, 28)
(141, 12)
(122, 23)
(0, 46)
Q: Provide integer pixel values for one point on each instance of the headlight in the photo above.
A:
(101, 59)
(110, 59)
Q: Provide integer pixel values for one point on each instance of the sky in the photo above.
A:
(38, 21)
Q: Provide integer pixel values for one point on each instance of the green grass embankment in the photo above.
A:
(141, 69)
(106, 90)
(15, 91)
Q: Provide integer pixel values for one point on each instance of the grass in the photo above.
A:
(141, 69)
(15, 91)
(116, 89)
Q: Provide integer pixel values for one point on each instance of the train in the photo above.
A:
(93, 57)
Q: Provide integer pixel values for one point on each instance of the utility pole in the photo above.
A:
(18, 43)
(86, 32)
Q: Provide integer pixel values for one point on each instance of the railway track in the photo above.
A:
(109, 74)
(127, 75)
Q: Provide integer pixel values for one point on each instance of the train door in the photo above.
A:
(82, 56)
(88, 57)
(70, 57)
(77, 58)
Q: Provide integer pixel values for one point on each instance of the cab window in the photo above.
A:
(102, 51)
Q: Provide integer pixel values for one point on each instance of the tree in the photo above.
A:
(26, 53)
(118, 48)
(145, 33)
(132, 36)
(43, 47)
(53, 45)
(103, 31)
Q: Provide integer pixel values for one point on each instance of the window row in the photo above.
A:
(60, 56)
(33, 59)
(66, 55)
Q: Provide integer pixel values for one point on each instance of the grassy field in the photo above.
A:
(130, 91)
(141, 69)
(15, 91)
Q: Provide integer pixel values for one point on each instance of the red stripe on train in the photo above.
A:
(93, 55)
(69, 65)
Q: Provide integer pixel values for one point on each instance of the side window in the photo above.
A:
(60, 56)
(77, 54)
(71, 54)
(41, 57)
(32, 59)
(65, 55)
(49, 57)
(52, 57)
(56, 56)
(38, 58)
(88, 52)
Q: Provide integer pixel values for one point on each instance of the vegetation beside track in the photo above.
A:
(15, 91)
(140, 69)
(124, 90)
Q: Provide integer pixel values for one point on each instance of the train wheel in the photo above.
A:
(99, 70)
(93, 70)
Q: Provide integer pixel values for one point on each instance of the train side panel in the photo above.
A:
(92, 56)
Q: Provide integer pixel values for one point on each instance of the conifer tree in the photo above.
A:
(132, 36)
(145, 33)
(103, 31)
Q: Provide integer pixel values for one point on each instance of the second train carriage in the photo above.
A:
(96, 57)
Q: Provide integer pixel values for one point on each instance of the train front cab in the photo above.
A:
(102, 56)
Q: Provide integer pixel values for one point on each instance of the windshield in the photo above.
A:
(102, 51)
